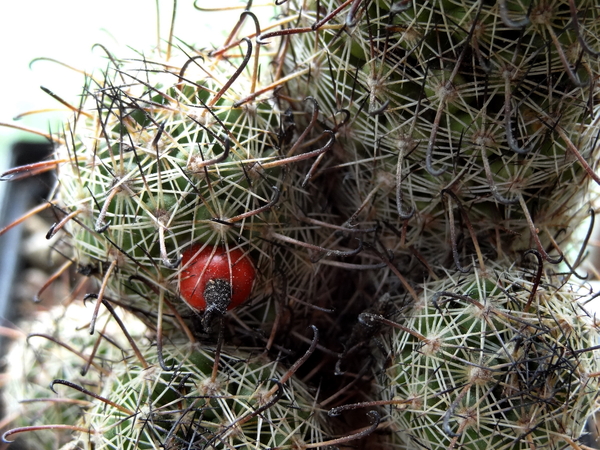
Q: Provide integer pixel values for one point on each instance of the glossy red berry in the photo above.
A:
(215, 275)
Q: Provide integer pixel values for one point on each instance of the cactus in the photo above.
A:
(382, 171)
(478, 365)
(249, 402)
(160, 158)
(446, 105)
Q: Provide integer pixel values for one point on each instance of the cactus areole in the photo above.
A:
(215, 278)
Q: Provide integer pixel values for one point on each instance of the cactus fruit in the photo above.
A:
(159, 163)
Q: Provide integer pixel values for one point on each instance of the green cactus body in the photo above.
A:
(453, 99)
(481, 365)
(139, 171)
(247, 404)
(164, 154)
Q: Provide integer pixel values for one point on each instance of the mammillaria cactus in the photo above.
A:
(477, 364)
(159, 157)
(380, 171)
(442, 106)
(249, 402)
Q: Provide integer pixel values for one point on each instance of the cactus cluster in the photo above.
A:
(405, 178)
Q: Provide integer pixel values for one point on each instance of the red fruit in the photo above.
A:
(215, 275)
